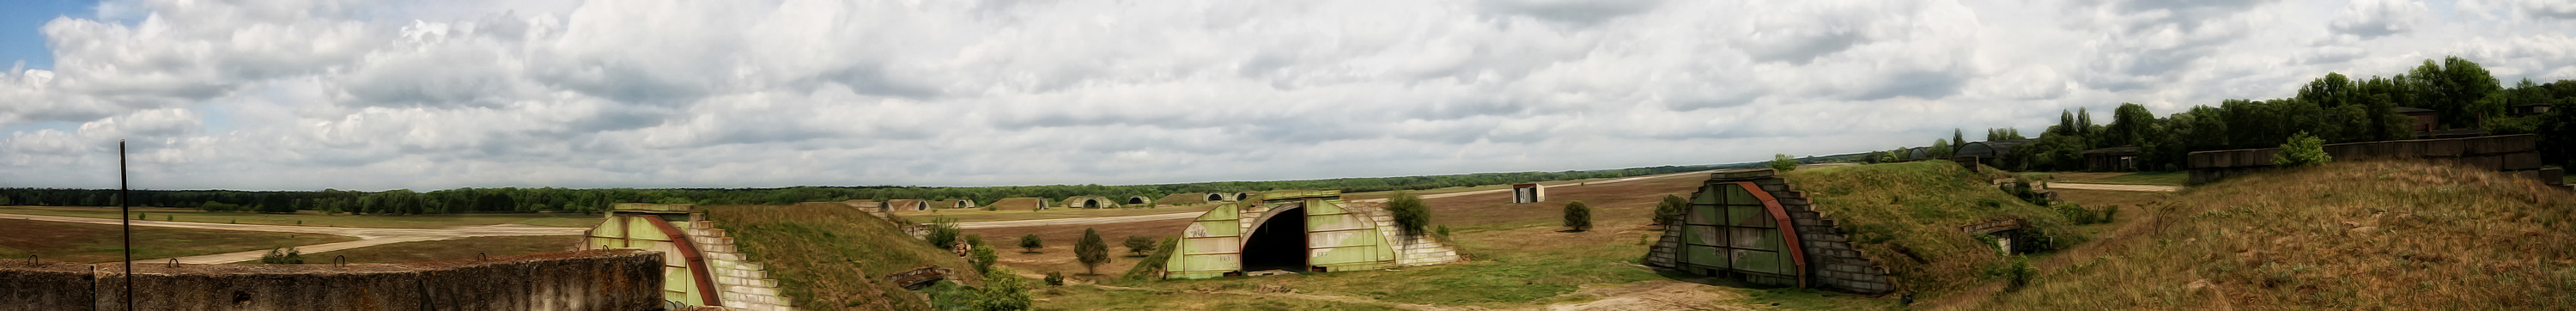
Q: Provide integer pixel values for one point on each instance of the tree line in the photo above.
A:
(464, 200)
(2334, 108)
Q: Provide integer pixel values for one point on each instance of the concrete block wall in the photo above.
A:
(619, 279)
(1410, 251)
(740, 283)
(45, 285)
(2516, 155)
(1832, 262)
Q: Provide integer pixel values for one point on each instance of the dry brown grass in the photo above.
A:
(2395, 235)
(80, 242)
(1058, 255)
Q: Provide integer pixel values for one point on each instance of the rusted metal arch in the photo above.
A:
(688, 251)
(1788, 228)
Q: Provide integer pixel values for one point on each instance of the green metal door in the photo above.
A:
(1728, 229)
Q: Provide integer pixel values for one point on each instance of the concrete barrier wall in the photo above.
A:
(2516, 155)
(617, 279)
(39, 285)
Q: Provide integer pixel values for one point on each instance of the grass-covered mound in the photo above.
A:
(831, 256)
(1906, 216)
(2376, 235)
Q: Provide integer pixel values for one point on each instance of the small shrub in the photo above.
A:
(1783, 163)
(1444, 232)
(943, 233)
(973, 240)
(1091, 251)
(1152, 266)
(1578, 217)
(2017, 272)
(1055, 278)
(1410, 213)
(1137, 245)
(2302, 150)
(1002, 291)
(985, 256)
(1670, 210)
(283, 256)
(1030, 243)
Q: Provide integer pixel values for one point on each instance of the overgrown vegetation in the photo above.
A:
(1670, 209)
(943, 233)
(2347, 235)
(1906, 216)
(1783, 163)
(1137, 246)
(828, 254)
(1001, 291)
(282, 256)
(1410, 213)
(2300, 151)
(1151, 267)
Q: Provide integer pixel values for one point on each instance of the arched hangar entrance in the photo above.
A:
(1304, 231)
(1278, 242)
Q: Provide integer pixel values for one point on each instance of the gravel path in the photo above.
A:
(366, 236)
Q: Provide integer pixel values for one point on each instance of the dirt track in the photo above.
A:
(366, 236)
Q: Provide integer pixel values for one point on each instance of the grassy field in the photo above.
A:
(1906, 216)
(56, 241)
(1523, 260)
(973, 214)
(464, 248)
(2174, 178)
(828, 255)
(314, 218)
(2371, 235)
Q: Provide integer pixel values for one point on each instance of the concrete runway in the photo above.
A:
(366, 236)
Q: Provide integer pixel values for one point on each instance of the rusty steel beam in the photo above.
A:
(689, 250)
(1788, 229)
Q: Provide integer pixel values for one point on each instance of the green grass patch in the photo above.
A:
(1906, 216)
(464, 248)
(2174, 178)
(314, 218)
(78, 242)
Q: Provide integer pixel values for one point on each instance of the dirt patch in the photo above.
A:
(1657, 295)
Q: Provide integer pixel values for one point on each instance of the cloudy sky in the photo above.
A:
(373, 95)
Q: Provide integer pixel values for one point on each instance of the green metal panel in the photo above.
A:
(1705, 256)
(1754, 238)
(1339, 239)
(1210, 246)
(1762, 261)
